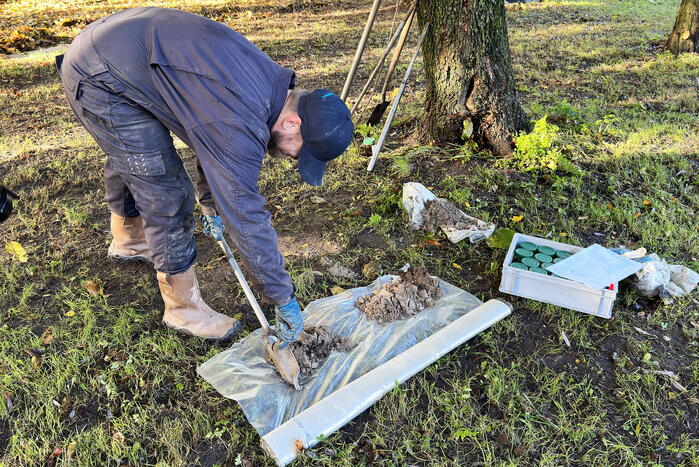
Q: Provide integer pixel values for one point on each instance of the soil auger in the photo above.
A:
(282, 358)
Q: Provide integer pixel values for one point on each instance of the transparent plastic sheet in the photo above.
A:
(241, 372)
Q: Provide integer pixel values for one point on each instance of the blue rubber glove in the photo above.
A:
(213, 226)
(289, 322)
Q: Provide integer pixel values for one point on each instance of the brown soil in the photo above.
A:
(307, 246)
(441, 213)
(314, 347)
(401, 298)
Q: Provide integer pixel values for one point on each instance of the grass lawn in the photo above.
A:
(98, 376)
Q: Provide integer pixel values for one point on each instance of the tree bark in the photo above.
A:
(685, 34)
(469, 74)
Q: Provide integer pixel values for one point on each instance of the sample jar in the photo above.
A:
(527, 246)
(547, 250)
(523, 253)
(543, 258)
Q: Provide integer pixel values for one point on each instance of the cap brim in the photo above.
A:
(310, 168)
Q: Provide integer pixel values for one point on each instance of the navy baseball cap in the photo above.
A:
(326, 129)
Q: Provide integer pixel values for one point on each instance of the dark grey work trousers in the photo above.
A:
(143, 175)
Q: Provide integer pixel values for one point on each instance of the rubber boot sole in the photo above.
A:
(130, 259)
(228, 336)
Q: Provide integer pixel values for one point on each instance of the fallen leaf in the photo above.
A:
(118, 437)
(70, 450)
(678, 385)
(641, 331)
(93, 288)
(637, 215)
(17, 251)
(70, 314)
(501, 238)
(433, 242)
(370, 270)
(564, 234)
(51, 461)
(468, 129)
(646, 202)
(646, 357)
(457, 266)
(298, 444)
(317, 200)
(685, 35)
(47, 336)
(637, 430)
(467, 204)
(336, 289)
(517, 218)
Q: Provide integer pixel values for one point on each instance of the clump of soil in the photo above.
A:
(413, 291)
(314, 347)
(441, 213)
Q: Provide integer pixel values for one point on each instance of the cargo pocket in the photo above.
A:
(160, 200)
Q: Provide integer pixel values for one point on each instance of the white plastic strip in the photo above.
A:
(339, 408)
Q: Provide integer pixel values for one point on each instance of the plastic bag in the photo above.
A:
(241, 372)
(666, 280)
(415, 195)
(658, 278)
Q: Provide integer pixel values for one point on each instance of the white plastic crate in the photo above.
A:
(554, 290)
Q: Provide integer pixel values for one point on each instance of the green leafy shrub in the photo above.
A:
(536, 151)
(368, 133)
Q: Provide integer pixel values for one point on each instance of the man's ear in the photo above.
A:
(291, 122)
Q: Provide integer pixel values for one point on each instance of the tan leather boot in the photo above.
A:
(129, 239)
(186, 311)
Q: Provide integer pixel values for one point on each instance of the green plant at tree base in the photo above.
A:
(368, 133)
(536, 151)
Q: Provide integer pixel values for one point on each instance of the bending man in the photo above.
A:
(135, 76)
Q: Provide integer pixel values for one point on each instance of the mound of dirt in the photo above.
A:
(413, 291)
(441, 213)
(314, 347)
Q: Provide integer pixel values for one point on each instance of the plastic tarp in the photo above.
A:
(242, 373)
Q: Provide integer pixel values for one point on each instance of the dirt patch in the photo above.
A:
(403, 297)
(314, 347)
(307, 246)
(338, 270)
(441, 213)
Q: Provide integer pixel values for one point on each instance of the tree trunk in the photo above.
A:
(685, 34)
(469, 74)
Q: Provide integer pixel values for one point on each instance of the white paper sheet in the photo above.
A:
(596, 267)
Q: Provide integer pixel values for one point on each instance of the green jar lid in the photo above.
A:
(543, 258)
(563, 254)
(519, 266)
(527, 246)
(539, 270)
(523, 253)
(530, 262)
(547, 250)
(546, 265)
(557, 260)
